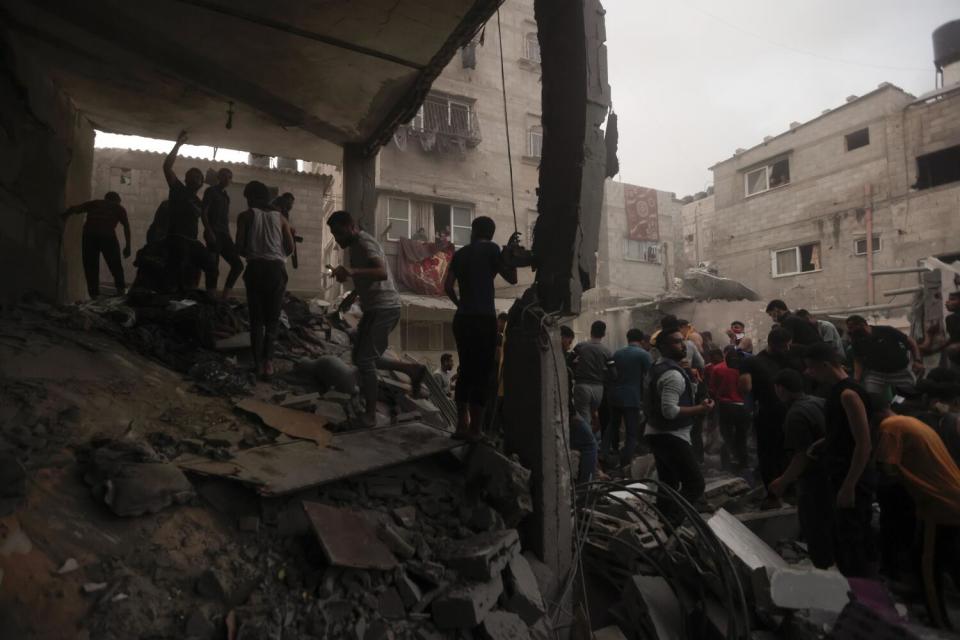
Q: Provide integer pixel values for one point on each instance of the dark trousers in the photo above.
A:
(815, 511)
(734, 425)
(93, 246)
(186, 258)
(225, 248)
(631, 419)
(769, 432)
(677, 468)
(476, 347)
(265, 280)
(853, 539)
(898, 524)
(583, 440)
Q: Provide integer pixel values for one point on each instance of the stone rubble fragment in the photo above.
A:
(484, 555)
(502, 625)
(523, 592)
(466, 605)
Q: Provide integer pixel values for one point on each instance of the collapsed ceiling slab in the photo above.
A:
(302, 79)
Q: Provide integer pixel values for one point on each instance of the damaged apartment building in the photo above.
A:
(811, 215)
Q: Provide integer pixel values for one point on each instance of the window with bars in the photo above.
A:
(535, 142)
(448, 116)
(860, 245)
(531, 48)
(793, 260)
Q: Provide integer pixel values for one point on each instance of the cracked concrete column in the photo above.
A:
(360, 186)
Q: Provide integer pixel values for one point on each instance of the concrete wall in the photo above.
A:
(46, 150)
(825, 202)
(634, 278)
(479, 177)
(138, 177)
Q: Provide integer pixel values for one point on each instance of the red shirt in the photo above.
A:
(102, 216)
(723, 384)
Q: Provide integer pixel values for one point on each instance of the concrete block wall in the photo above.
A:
(480, 176)
(46, 156)
(138, 177)
(825, 202)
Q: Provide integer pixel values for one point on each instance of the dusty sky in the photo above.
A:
(692, 80)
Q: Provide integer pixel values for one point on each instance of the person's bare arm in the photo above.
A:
(376, 271)
(449, 282)
(857, 369)
(126, 234)
(243, 221)
(506, 271)
(171, 158)
(798, 463)
(860, 429)
(287, 230)
(917, 355)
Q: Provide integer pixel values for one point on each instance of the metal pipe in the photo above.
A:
(897, 292)
(890, 272)
(849, 310)
(868, 217)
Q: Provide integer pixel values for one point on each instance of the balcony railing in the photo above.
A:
(443, 122)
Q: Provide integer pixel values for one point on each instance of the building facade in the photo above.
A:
(789, 217)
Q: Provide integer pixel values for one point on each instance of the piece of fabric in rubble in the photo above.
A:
(422, 266)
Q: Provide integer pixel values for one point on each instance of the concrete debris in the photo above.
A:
(395, 541)
(466, 606)
(405, 516)
(330, 372)
(296, 424)
(68, 566)
(199, 626)
(348, 539)
(211, 585)
(773, 525)
(654, 608)
(809, 589)
(482, 556)
(523, 592)
(754, 557)
(501, 482)
(502, 625)
(13, 483)
(390, 605)
(410, 591)
(93, 587)
(13, 540)
(613, 632)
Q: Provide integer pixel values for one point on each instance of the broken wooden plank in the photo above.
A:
(348, 539)
(297, 424)
(283, 468)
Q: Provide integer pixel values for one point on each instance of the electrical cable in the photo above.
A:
(506, 126)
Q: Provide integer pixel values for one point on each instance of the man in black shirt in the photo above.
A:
(472, 271)
(216, 210)
(948, 346)
(881, 357)
(845, 453)
(184, 253)
(757, 376)
(802, 331)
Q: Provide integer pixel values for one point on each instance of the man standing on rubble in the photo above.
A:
(802, 331)
(882, 357)
(380, 302)
(756, 376)
(264, 237)
(846, 452)
(216, 210)
(592, 369)
(469, 285)
(184, 252)
(670, 409)
(631, 364)
(100, 237)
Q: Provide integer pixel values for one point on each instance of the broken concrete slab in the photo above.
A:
(653, 607)
(278, 469)
(296, 424)
(395, 541)
(135, 489)
(466, 606)
(348, 539)
(754, 556)
(390, 605)
(409, 591)
(523, 592)
(809, 589)
(613, 632)
(405, 516)
(773, 525)
(482, 556)
(237, 342)
(501, 482)
(503, 625)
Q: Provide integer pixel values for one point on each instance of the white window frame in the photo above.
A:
(454, 226)
(535, 142)
(796, 249)
(417, 122)
(531, 53)
(878, 240)
(391, 220)
(459, 103)
(767, 169)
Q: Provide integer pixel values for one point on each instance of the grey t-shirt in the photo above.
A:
(592, 363)
(374, 294)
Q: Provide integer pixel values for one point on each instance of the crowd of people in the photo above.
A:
(842, 421)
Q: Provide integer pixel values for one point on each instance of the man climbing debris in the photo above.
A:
(100, 238)
(380, 303)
